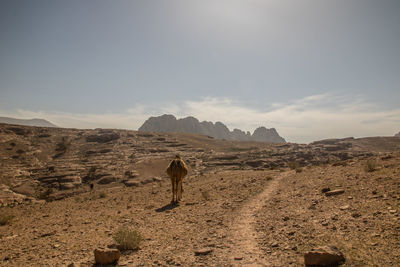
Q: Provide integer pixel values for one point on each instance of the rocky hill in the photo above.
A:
(397, 135)
(31, 122)
(168, 123)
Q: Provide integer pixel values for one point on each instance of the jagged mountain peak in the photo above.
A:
(169, 123)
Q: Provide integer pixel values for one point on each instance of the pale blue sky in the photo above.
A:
(311, 69)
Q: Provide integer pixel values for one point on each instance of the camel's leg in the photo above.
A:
(173, 190)
(176, 190)
(180, 189)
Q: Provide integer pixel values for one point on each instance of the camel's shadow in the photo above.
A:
(169, 206)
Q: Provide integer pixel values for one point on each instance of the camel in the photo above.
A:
(176, 170)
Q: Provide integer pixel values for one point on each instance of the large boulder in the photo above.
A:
(106, 255)
(324, 256)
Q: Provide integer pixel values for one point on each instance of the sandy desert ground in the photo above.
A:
(253, 204)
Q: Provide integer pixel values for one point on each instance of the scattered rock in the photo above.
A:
(102, 138)
(274, 245)
(334, 192)
(106, 255)
(157, 179)
(131, 174)
(107, 180)
(130, 183)
(324, 256)
(325, 189)
(203, 251)
(147, 181)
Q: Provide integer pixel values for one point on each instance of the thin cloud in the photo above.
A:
(304, 120)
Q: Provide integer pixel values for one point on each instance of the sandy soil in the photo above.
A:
(242, 206)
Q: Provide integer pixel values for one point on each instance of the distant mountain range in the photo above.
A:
(31, 122)
(168, 123)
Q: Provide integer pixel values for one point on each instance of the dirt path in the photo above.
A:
(245, 251)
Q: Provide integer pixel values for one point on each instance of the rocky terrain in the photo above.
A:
(255, 203)
(397, 135)
(168, 123)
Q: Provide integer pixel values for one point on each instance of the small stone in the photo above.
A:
(203, 251)
(274, 245)
(146, 181)
(345, 207)
(131, 183)
(325, 189)
(157, 179)
(291, 233)
(107, 180)
(106, 255)
(238, 258)
(334, 192)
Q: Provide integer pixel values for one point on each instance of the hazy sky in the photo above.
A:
(311, 69)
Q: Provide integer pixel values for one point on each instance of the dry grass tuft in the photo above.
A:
(293, 165)
(370, 165)
(5, 219)
(127, 239)
(206, 195)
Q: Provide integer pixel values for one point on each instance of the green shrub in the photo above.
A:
(127, 239)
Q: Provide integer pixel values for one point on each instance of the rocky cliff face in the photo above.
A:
(397, 135)
(168, 123)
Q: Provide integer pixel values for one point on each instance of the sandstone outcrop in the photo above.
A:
(168, 123)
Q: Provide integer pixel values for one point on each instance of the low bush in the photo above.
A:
(5, 219)
(293, 165)
(127, 239)
(370, 165)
